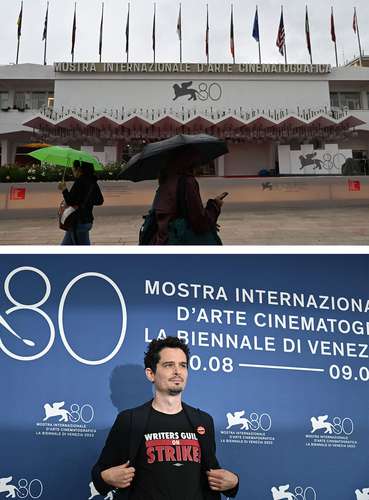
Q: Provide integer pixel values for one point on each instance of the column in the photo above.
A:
(220, 166)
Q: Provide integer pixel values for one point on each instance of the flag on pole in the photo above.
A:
(74, 28)
(207, 33)
(231, 35)
(281, 36)
(354, 21)
(44, 33)
(101, 30)
(19, 22)
(255, 29)
(333, 29)
(307, 31)
(179, 23)
(154, 31)
(127, 31)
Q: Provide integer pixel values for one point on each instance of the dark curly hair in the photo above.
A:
(152, 355)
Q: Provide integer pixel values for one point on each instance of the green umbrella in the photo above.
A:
(59, 155)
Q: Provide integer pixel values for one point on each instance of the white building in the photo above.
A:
(308, 119)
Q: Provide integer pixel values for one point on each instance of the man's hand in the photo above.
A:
(62, 185)
(120, 476)
(221, 479)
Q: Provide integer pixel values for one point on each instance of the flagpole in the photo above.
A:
(154, 33)
(45, 31)
(307, 34)
(74, 30)
(257, 10)
(232, 35)
(101, 31)
(333, 35)
(127, 31)
(358, 38)
(335, 51)
(207, 34)
(19, 30)
(180, 32)
(285, 44)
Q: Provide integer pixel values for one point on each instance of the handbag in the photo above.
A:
(179, 229)
(67, 216)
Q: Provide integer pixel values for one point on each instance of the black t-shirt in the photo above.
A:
(168, 465)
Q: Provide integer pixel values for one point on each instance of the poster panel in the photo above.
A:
(279, 358)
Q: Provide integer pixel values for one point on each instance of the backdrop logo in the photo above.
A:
(284, 492)
(203, 92)
(333, 432)
(23, 488)
(56, 410)
(247, 429)
(94, 493)
(73, 421)
(35, 310)
(362, 495)
(237, 419)
(321, 423)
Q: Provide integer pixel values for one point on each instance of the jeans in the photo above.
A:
(79, 236)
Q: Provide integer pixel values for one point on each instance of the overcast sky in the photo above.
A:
(193, 30)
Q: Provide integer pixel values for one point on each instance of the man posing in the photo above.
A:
(164, 449)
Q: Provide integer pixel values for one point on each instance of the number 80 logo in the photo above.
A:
(35, 308)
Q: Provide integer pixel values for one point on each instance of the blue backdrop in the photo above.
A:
(279, 350)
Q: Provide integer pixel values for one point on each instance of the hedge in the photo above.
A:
(51, 173)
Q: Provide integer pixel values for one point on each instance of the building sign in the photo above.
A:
(203, 91)
(310, 161)
(17, 194)
(67, 67)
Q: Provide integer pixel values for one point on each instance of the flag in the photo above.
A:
(101, 30)
(127, 31)
(207, 33)
(354, 21)
(307, 31)
(19, 22)
(74, 28)
(333, 29)
(231, 36)
(281, 36)
(154, 30)
(255, 29)
(179, 23)
(44, 34)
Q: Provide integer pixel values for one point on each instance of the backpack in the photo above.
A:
(148, 228)
(180, 231)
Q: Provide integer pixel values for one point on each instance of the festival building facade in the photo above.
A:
(296, 119)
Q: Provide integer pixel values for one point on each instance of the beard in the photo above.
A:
(175, 391)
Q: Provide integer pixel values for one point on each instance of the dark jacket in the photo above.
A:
(125, 438)
(85, 193)
(201, 219)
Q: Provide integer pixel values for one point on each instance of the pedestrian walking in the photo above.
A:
(83, 195)
(180, 216)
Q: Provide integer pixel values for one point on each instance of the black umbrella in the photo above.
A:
(158, 155)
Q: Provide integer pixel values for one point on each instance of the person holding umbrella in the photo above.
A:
(85, 193)
(178, 198)
(178, 216)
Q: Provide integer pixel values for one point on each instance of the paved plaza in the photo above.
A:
(271, 225)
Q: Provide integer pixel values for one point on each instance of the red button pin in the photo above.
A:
(200, 430)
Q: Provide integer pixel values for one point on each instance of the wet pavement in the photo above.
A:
(240, 225)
